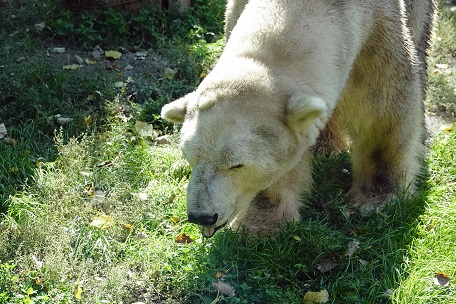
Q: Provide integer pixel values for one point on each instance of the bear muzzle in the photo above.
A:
(203, 219)
(206, 223)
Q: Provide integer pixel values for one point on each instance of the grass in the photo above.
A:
(92, 211)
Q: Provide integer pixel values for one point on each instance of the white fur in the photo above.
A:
(289, 66)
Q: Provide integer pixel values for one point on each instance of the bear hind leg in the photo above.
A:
(385, 162)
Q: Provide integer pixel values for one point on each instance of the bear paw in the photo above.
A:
(368, 202)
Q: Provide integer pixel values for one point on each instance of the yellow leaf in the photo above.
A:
(113, 54)
(72, 67)
(203, 75)
(88, 61)
(88, 120)
(312, 297)
(176, 219)
(448, 127)
(78, 292)
(102, 222)
(128, 226)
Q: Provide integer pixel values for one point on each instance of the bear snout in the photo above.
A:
(203, 219)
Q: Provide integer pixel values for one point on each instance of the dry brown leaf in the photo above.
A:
(224, 288)
(106, 164)
(183, 239)
(352, 247)
(9, 141)
(312, 297)
(3, 131)
(327, 264)
(220, 275)
(441, 279)
(171, 198)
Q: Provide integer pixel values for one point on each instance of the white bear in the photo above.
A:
(290, 68)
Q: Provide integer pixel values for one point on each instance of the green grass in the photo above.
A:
(56, 183)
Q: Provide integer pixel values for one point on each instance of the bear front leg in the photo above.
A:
(278, 204)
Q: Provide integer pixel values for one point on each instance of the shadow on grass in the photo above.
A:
(312, 255)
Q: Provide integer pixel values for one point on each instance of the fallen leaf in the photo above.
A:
(312, 297)
(3, 131)
(102, 222)
(63, 121)
(78, 59)
(203, 75)
(141, 236)
(78, 292)
(144, 129)
(220, 274)
(40, 26)
(448, 127)
(163, 140)
(363, 262)
(58, 50)
(88, 120)
(297, 238)
(441, 65)
(143, 196)
(113, 54)
(171, 198)
(142, 54)
(9, 141)
(388, 293)
(119, 84)
(127, 226)
(430, 225)
(352, 247)
(90, 62)
(224, 288)
(72, 67)
(441, 279)
(176, 219)
(39, 162)
(105, 164)
(327, 264)
(183, 239)
(169, 73)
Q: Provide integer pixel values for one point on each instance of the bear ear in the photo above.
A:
(176, 110)
(304, 108)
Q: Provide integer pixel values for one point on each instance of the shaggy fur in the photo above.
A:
(294, 71)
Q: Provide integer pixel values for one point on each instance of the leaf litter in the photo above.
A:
(441, 279)
(312, 297)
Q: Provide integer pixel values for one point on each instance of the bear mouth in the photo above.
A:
(209, 231)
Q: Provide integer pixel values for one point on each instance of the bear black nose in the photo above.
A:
(202, 219)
